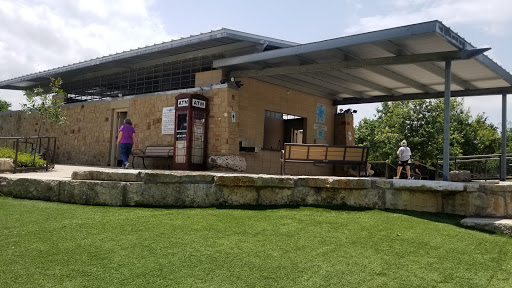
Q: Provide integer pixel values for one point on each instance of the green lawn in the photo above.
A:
(46, 244)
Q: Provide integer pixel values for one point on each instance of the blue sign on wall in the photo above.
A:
(320, 113)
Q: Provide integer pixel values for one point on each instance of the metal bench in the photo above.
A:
(325, 154)
(153, 152)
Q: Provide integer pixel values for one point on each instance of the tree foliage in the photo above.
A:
(4, 106)
(420, 123)
(509, 137)
(47, 103)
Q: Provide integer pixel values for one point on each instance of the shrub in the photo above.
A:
(24, 159)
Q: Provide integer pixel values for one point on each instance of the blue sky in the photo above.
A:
(36, 35)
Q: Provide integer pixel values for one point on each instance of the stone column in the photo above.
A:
(223, 122)
(344, 135)
(344, 129)
(223, 113)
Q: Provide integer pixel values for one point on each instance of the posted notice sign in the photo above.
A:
(168, 115)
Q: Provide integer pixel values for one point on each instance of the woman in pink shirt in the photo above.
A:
(125, 141)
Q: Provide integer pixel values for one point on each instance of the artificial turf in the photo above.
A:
(45, 244)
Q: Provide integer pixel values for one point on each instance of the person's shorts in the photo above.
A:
(404, 163)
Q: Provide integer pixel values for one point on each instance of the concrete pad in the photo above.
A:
(428, 185)
(63, 172)
(498, 225)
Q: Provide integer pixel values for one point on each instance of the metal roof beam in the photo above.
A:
(395, 49)
(359, 81)
(401, 78)
(364, 63)
(417, 96)
(225, 49)
(300, 82)
(398, 32)
(438, 71)
(328, 83)
(295, 85)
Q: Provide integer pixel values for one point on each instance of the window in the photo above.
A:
(280, 128)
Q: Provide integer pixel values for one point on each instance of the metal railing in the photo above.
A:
(389, 170)
(43, 146)
(462, 161)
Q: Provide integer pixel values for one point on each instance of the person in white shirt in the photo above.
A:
(404, 160)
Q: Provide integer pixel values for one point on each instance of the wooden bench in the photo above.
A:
(326, 154)
(154, 152)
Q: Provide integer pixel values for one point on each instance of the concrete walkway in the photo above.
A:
(63, 172)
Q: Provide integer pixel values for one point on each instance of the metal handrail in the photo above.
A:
(38, 142)
(394, 168)
(473, 158)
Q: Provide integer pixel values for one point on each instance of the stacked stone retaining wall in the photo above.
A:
(203, 189)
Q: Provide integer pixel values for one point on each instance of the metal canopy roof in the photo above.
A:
(402, 63)
(224, 41)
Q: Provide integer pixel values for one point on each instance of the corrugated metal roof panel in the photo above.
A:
(401, 51)
(204, 41)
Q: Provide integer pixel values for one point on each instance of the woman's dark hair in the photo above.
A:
(128, 121)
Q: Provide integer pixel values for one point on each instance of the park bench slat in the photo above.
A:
(317, 153)
(154, 152)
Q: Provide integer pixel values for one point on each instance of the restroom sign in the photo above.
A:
(183, 102)
(198, 103)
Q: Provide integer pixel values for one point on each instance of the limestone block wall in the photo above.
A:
(84, 139)
(223, 105)
(87, 137)
(209, 78)
(256, 97)
(235, 115)
(344, 132)
(223, 129)
(204, 189)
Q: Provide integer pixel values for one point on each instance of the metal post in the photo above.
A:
(485, 170)
(503, 174)
(47, 152)
(54, 152)
(437, 169)
(16, 154)
(386, 173)
(446, 134)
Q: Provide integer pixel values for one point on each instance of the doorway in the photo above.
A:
(115, 156)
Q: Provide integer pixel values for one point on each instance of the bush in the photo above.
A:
(24, 159)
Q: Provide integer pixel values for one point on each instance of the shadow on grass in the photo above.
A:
(444, 218)
(277, 207)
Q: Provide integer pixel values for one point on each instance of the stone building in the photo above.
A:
(262, 92)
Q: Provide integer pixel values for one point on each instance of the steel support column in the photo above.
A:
(503, 173)
(446, 134)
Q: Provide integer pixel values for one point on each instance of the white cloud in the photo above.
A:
(45, 34)
(489, 19)
(492, 16)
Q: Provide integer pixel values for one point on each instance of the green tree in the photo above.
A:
(4, 106)
(509, 137)
(420, 122)
(47, 103)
